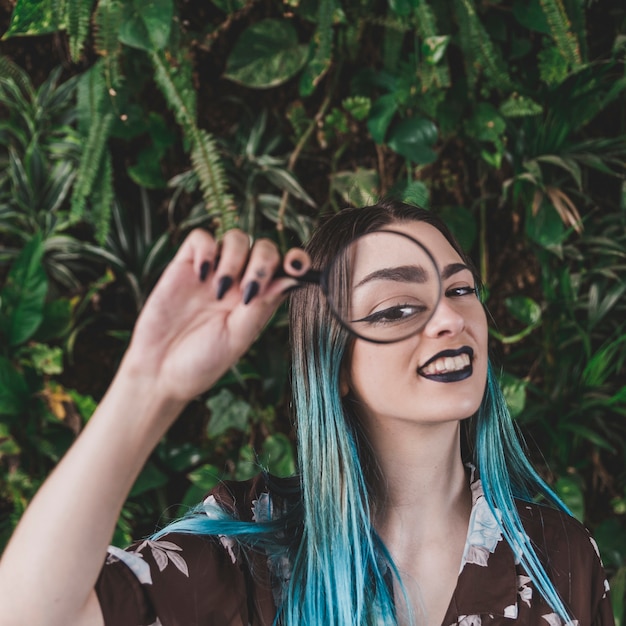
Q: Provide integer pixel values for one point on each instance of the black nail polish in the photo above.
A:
(296, 264)
(204, 270)
(251, 289)
(223, 286)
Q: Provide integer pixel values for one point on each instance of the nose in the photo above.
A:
(446, 321)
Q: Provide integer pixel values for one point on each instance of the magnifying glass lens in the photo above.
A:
(384, 286)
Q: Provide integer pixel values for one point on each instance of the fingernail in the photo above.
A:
(251, 289)
(296, 264)
(204, 270)
(223, 286)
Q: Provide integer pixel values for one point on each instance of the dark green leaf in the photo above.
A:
(13, 389)
(150, 478)
(546, 229)
(157, 18)
(524, 309)
(417, 193)
(380, 117)
(227, 411)
(530, 14)
(414, 139)
(57, 320)
(462, 223)
(266, 54)
(590, 435)
(23, 296)
(514, 390)
(133, 31)
(277, 455)
(34, 18)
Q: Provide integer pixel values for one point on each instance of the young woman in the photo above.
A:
(414, 502)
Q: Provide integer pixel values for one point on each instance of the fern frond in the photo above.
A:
(177, 88)
(90, 163)
(13, 72)
(576, 12)
(479, 49)
(432, 75)
(560, 27)
(107, 21)
(91, 94)
(103, 196)
(178, 91)
(77, 19)
(207, 164)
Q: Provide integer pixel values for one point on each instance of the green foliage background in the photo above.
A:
(125, 123)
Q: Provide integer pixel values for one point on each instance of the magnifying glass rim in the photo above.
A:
(324, 278)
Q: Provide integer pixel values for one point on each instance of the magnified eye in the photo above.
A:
(456, 292)
(394, 314)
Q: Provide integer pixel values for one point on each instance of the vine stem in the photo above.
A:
(291, 164)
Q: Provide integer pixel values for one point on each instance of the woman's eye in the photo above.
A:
(456, 292)
(397, 313)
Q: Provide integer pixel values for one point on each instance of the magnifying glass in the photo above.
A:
(383, 286)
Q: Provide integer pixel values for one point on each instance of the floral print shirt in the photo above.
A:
(192, 580)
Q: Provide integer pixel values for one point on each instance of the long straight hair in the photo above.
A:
(341, 573)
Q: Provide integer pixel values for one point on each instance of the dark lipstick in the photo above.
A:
(449, 377)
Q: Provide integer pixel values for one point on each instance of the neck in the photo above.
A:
(422, 481)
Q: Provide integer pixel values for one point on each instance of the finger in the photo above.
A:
(200, 250)
(263, 261)
(233, 257)
(297, 262)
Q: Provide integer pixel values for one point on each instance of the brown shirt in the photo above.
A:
(192, 580)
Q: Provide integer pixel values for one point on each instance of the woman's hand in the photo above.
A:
(200, 318)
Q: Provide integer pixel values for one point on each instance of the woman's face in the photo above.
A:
(439, 374)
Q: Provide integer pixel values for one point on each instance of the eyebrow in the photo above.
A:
(401, 274)
(410, 273)
(452, 269)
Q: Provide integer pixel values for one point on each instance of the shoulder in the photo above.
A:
(557, 534)
(570, 556)
(261, 498)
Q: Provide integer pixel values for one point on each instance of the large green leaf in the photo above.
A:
(380, 117)
(277, 455)
(266, 54)
(523, 309)
(227, 411)
(35, 18)
(546, 229)
(23, 296)
(156, 16)
(514, 390)
(414, 139)
(133, 31)
(57, 320)
(530, 14)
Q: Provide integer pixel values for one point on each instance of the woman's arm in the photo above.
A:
(184, 340)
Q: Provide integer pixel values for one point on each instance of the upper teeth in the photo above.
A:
(447, 364)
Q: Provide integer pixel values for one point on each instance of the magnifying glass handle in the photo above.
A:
(311, 276)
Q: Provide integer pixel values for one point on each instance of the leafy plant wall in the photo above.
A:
(125, 123)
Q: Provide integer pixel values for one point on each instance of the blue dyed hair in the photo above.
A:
(340, 570)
